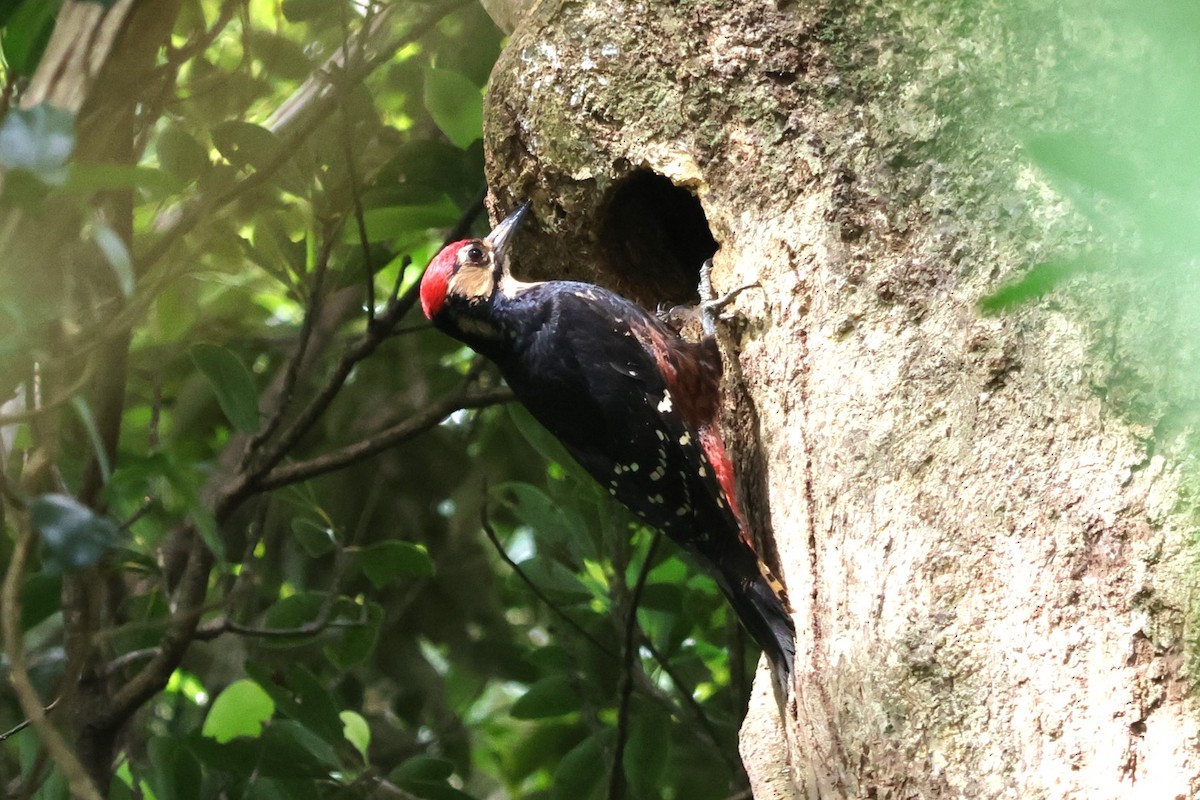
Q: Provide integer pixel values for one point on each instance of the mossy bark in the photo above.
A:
(989, 568)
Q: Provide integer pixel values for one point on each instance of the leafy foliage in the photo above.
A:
(246, 488)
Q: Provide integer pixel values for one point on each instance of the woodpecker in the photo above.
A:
(634, 403)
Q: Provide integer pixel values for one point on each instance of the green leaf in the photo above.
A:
(315, 538)
(663, 597)
(176, 773)
(580, 774)
(41, 596)
(236, 757)
(1039, 281)
(549, 697)
(38, 141)
(302, 698)
(306, 10)
(426, 777)
(239, 710)
(553, 522)
(284, 788)
(556, 581)
(74, 535)
(116, 254)
(423, 768)
(394, 222)
(291, 750)
(434, 790)
(231, 383)
(182, 155)
(385, 562)
(26, 34)
(456, 105)
(357, 732)
(281, 56)
(647, 752)
(358, 641)
(292, 612)
(245, 144)
(544, 442)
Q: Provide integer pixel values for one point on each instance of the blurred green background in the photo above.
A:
(292, 161)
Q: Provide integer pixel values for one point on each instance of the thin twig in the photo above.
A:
(616, 776)
(352, 175)
(419, 422)
(291, 376)
(186, 608)
(54, 403)
(311, 628)
(127, 659)
(143, 510)
(690, 702)
(248, 481)
(490, 532)
(23, 725)
(14, 646)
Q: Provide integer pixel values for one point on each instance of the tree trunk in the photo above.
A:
(987, 565)
(97, 66)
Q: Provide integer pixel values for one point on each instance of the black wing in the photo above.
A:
(594, 373)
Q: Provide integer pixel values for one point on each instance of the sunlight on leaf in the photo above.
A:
(455, 104)
(239, 710)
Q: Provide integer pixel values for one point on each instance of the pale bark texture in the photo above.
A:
(989, 566)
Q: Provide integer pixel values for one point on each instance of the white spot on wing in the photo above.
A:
(665, 406)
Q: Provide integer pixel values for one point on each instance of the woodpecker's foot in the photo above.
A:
(711, 307)
(675, 317)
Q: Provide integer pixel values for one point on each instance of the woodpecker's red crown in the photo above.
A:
(435, 283)
(470, 269)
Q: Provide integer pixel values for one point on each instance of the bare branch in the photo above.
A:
(14, 646)
(311, 314)
(23, 725)
(352, 175)
(311, 628)
(62, 398)
(186, 608)
(690, 702)
(419, 422)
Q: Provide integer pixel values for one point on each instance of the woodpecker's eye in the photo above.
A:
(475, 253)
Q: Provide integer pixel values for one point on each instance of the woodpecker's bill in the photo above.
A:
(630, 400)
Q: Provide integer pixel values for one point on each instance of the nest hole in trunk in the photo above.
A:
(654, 237)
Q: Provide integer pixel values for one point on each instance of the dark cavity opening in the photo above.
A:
(654, 237)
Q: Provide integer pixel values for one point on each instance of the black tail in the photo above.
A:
(762, 613)
(757, 605)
